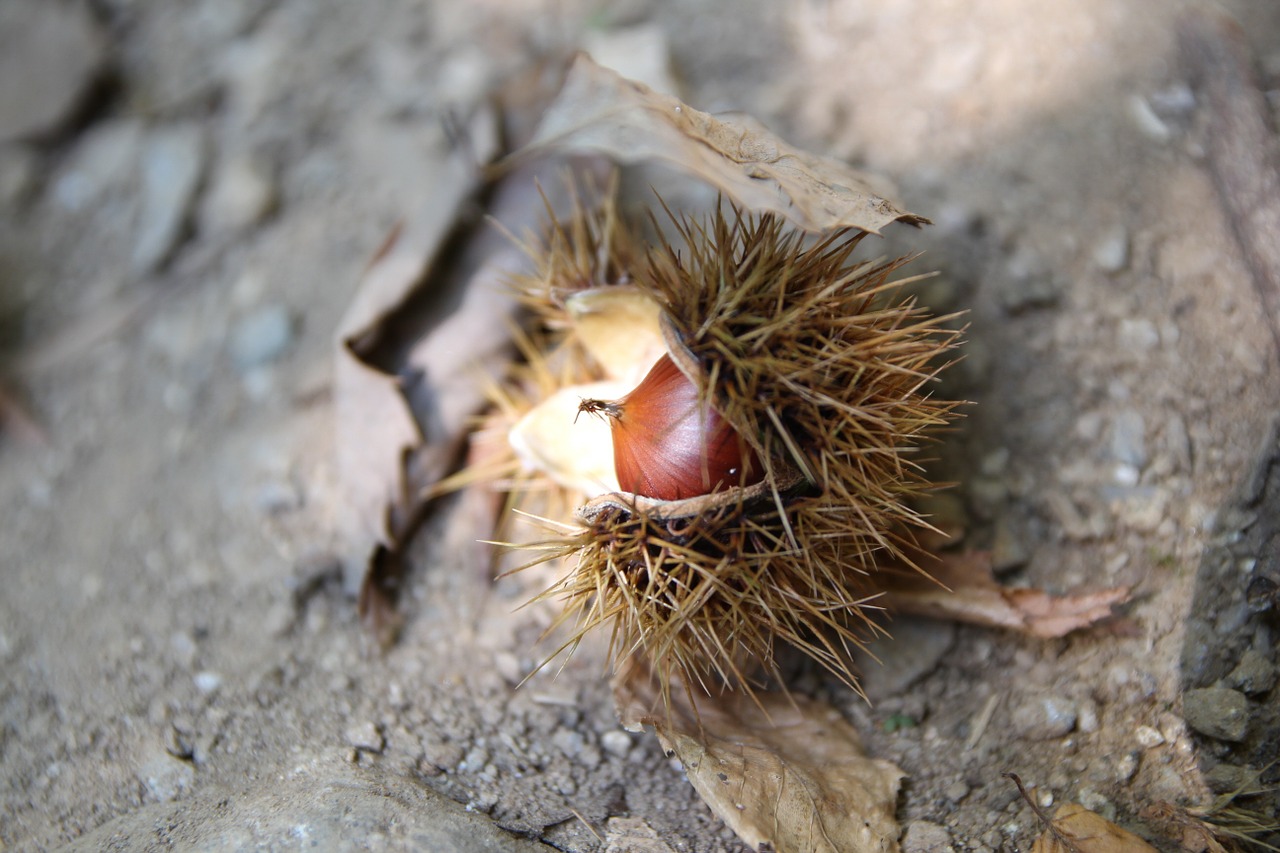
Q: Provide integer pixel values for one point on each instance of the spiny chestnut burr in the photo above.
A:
(670, 444)
(769, 463)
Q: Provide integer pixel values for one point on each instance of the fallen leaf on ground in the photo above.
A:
(599, 111)
(782, 771)
(1075, 829)
(963, 587)
(375, 427)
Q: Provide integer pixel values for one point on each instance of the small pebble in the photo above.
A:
(1217, 712)
(1254, 674)
(172, 164)
(1146, 120)
(1008, 550)
(1138, 334)
(1126, 767)
(1127, 441)
(1087, 722)
(165, 777)
(616, 742)
(261, 337)
(207, 682)
(365, 736)
(1044, 716)
(923, 836)
(243, 194)
(1228, 778)
(956, 791)
(1111, 253)
(1148, 737)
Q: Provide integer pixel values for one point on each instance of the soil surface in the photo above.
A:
(184, 214)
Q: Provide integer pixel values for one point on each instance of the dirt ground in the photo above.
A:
(182, 665)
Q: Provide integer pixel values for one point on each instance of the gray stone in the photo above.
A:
(1008, 551)
(1128, 438)
(172, 165)
(165, 777)
(910, 654)
(1217, 712)
(1230, 779)
(105, 161)
(1254, 674)
(365, 736)
(1043, 716)
(923, 836)
(1111, 253)
(243, 193)
(50, 56)
(261, 337)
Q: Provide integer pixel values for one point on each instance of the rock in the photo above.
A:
(173, 161)
(261, 337)
(207, 682)
(1254, 674)
(243, 193)
(1146, 120)
(50, 56)
(1138, 335)
(910, 654)
(1230, 779)
(616, 742)
(1111, 253)
(1217, 712)
(923, 836)
(1127, 441)
(105, 160)
(165, 777)
(1043, 716)
(365, 736)
(1148, 737)
(1008, 550)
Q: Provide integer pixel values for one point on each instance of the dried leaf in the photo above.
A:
(964, 588)
(1075, 829)
(375, 427)
(598, 111)
(781, 771)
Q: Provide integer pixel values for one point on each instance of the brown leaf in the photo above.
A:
(375, 427)
(782, 771)
(1075, 829)
(964, 588)
(599, 111)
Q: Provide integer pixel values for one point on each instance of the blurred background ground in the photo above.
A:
(188, 195)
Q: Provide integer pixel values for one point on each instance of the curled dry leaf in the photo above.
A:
(601, 112)
(786, 773)
(375, 427)
(963, 587)
(1075, 829)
